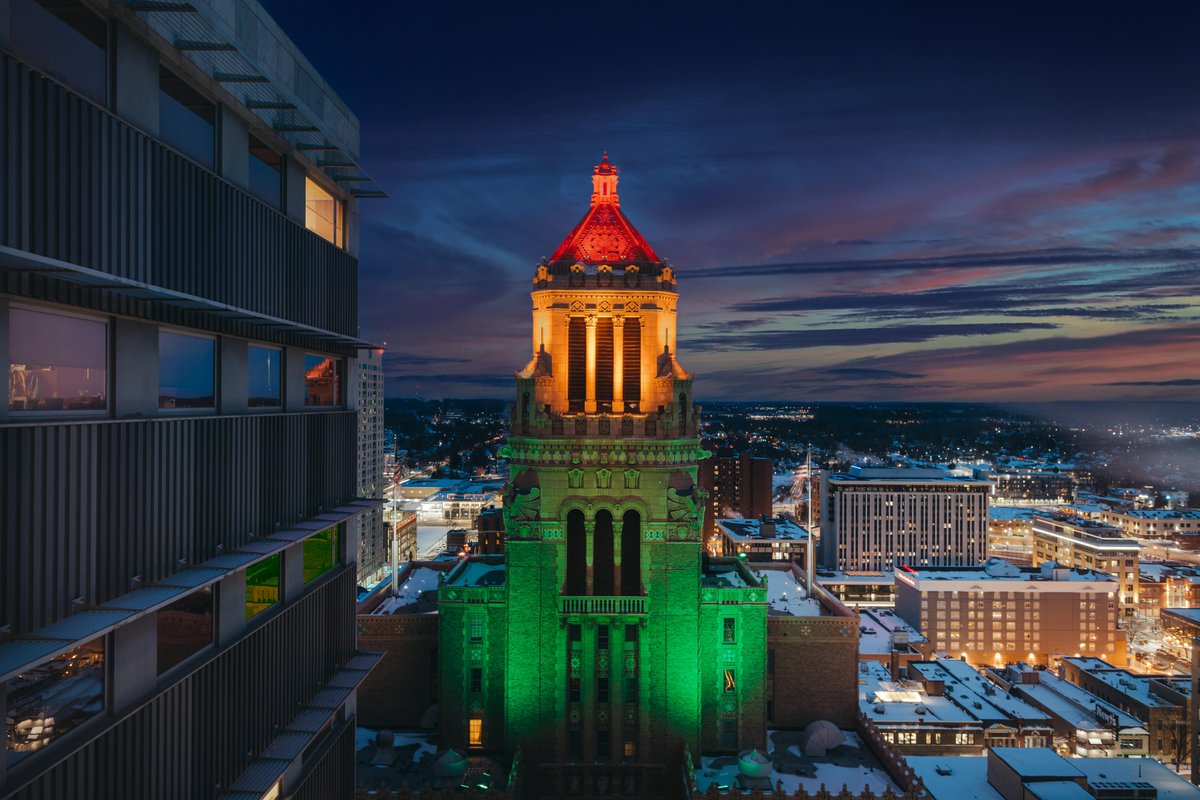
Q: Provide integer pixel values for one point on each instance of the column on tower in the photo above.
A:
(589, 405)
(618, 368)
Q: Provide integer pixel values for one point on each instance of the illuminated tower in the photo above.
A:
(609, 639)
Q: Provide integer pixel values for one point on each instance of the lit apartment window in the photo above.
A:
(65, 40)
(324, 214)
(56, 362)
(262, 585)
(185, 627)
(475, 732)
(322, 380)
(52, 698)
(321, 552)
(186, 118)
(186, 369)
(262, 368)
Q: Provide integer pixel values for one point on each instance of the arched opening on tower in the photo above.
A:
(576, 554)
(683, 413)
(602, 555)
(631, 554)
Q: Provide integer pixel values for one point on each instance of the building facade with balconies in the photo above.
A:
(179, 513)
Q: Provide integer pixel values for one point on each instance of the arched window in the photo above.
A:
(602, 555)
(576, 554)
(631, 554)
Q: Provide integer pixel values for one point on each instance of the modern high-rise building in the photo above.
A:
(373, 541)
(874, 519)
(603, 644)
(179, 512)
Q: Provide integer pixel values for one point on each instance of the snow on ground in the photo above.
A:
(856, 778)
(365, 737)
(833, 776)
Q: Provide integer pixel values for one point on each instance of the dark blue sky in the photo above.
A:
(862, 201)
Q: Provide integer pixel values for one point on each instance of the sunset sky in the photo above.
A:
(861, 204)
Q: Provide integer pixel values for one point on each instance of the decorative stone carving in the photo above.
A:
(679, 506)
(632, 478)
(603, 479)
(575, 479)
(525, 506)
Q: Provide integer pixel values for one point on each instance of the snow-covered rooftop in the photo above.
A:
(786, 595)
(747, 529)
(876, 627)
(419, 581)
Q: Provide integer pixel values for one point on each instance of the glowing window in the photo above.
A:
(730, 682)
(323, 213)
(321, 552)
(475, 732)
(730, 631)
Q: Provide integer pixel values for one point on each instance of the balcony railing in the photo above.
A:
(83, 187)
(601, 605)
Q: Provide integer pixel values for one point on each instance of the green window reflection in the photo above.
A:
(321, 552)
(262, 585)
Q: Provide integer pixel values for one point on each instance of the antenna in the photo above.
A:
(809, 559)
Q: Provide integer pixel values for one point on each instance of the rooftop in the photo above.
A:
(1073, 704)
(876, 631)
(1162, 513)
(1136, 687)
(786, 595)
(762, 529)
(903, 475)
(1009, 513)
(997, 569)
(982, 698)
(478, 571)
(727, 573)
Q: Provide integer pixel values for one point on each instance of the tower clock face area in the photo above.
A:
(605, 612)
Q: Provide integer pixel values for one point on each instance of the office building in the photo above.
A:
(179, 512)
(1010, 533)
(874, 519)
(997, 613)
(1167, 585)
(736, 485)
(489, 531)
(373, 544)
(1076, 541)
(1029, 485)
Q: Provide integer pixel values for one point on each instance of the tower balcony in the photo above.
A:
(592, 604)
(656, 425)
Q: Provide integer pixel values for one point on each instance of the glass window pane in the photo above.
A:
(265, 171)
(185, 371)
(185, 627)
(322, 381)
(56, 362)
(262, 585)
(321, 552)
(50, 700)
(67, 42)
(263, 366)
(322, 213)
(186, 118)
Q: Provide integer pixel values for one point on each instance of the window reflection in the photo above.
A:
(56, 362)
(262, 585)
(186, 118)
(50, 700)
(65, 40)
(321, 552)
(185, 627)
(185, 371)
(263, 366)
(322, 381)
(323, 213)
(266, 168)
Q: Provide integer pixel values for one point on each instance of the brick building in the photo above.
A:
(737, 485)
(997, 613)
